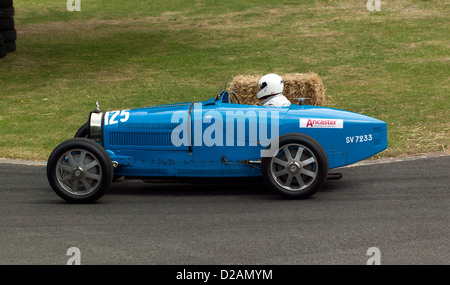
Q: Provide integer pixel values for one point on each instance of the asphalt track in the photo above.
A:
(403, 208)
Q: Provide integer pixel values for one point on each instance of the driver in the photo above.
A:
(271, 91)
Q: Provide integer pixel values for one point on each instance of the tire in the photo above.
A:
(79, 181)
(6, 12)
(2, 47)
(82, 131)
(6, 3)
(298, 174)
(9, 36)
(10, 46)
(6, 24)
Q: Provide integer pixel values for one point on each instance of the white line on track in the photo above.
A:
(22, 162)
(397, 159)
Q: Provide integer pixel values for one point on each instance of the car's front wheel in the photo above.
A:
(298, 169)
(79, 170)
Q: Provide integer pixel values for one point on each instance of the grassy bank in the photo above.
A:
(392, 64)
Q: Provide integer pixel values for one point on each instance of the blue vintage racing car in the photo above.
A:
(292, 148)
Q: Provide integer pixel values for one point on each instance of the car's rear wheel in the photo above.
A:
(79, 170)
(298, 169)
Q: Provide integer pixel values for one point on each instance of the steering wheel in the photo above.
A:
(235, 96)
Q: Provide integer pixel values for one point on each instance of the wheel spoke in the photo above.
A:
(281, 172)
(82, 158)
(287, 153)
(71, 159)
(91, 165)
(308, 173)
(280, 162)
(85, 184)
(65, 167)
(307, 161)
(67, 178)
(299, 179)
(93, 176)
(298, 154)
(289, 180)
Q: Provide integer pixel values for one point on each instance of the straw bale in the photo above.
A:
(296, 85)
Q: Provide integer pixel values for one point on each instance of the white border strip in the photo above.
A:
(396, 159)
(22, 162)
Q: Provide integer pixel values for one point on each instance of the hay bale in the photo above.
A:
(296, 85)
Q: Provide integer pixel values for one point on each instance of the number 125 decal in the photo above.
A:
(114, 117)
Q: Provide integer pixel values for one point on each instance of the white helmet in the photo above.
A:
(270, 84)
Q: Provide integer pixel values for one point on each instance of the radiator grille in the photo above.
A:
(140, 139)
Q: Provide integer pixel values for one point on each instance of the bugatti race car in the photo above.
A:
(291, 148)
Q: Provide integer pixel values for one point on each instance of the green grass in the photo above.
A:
(392, 64)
